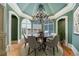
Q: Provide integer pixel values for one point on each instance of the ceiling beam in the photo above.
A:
(15, 7)
(65, 10)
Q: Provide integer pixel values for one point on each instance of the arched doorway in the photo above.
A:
(62, 28)
(13, 27)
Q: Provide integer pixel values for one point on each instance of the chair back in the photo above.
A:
(32, 42)
(25, 39)
(54, 42)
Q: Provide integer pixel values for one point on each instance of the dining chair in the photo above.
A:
(33, 45)
(53, 43)
(25, 40)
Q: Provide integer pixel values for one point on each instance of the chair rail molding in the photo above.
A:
(63, 11)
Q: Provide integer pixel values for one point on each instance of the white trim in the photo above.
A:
(18, 30)
(10, 14)
(9, 28)
(15, 7)
(65, 10)
(66, 26)
(76, 52)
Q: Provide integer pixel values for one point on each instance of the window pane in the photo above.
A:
(46, 27)
(23, 25)
(50, 28)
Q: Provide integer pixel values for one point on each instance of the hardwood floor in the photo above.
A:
(15, 50)
(67, 51)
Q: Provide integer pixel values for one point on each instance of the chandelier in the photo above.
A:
(40, 14)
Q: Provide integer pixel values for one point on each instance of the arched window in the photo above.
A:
(48, 27)
(76, 21)
(25, 27)
(36, 27)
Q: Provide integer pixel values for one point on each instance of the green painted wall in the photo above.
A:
(70, 25)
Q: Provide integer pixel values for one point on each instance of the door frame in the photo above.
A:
(10, 19)
(66, 27)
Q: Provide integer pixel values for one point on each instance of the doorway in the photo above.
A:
(14, 29)
(62, 29)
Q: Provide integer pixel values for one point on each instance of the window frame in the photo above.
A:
(76, 21)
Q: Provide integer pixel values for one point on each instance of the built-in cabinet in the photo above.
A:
(2, 35)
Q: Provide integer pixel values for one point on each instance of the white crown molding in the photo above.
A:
(15, 7)
(66, 9)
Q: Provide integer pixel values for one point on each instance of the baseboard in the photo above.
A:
(76, 52)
